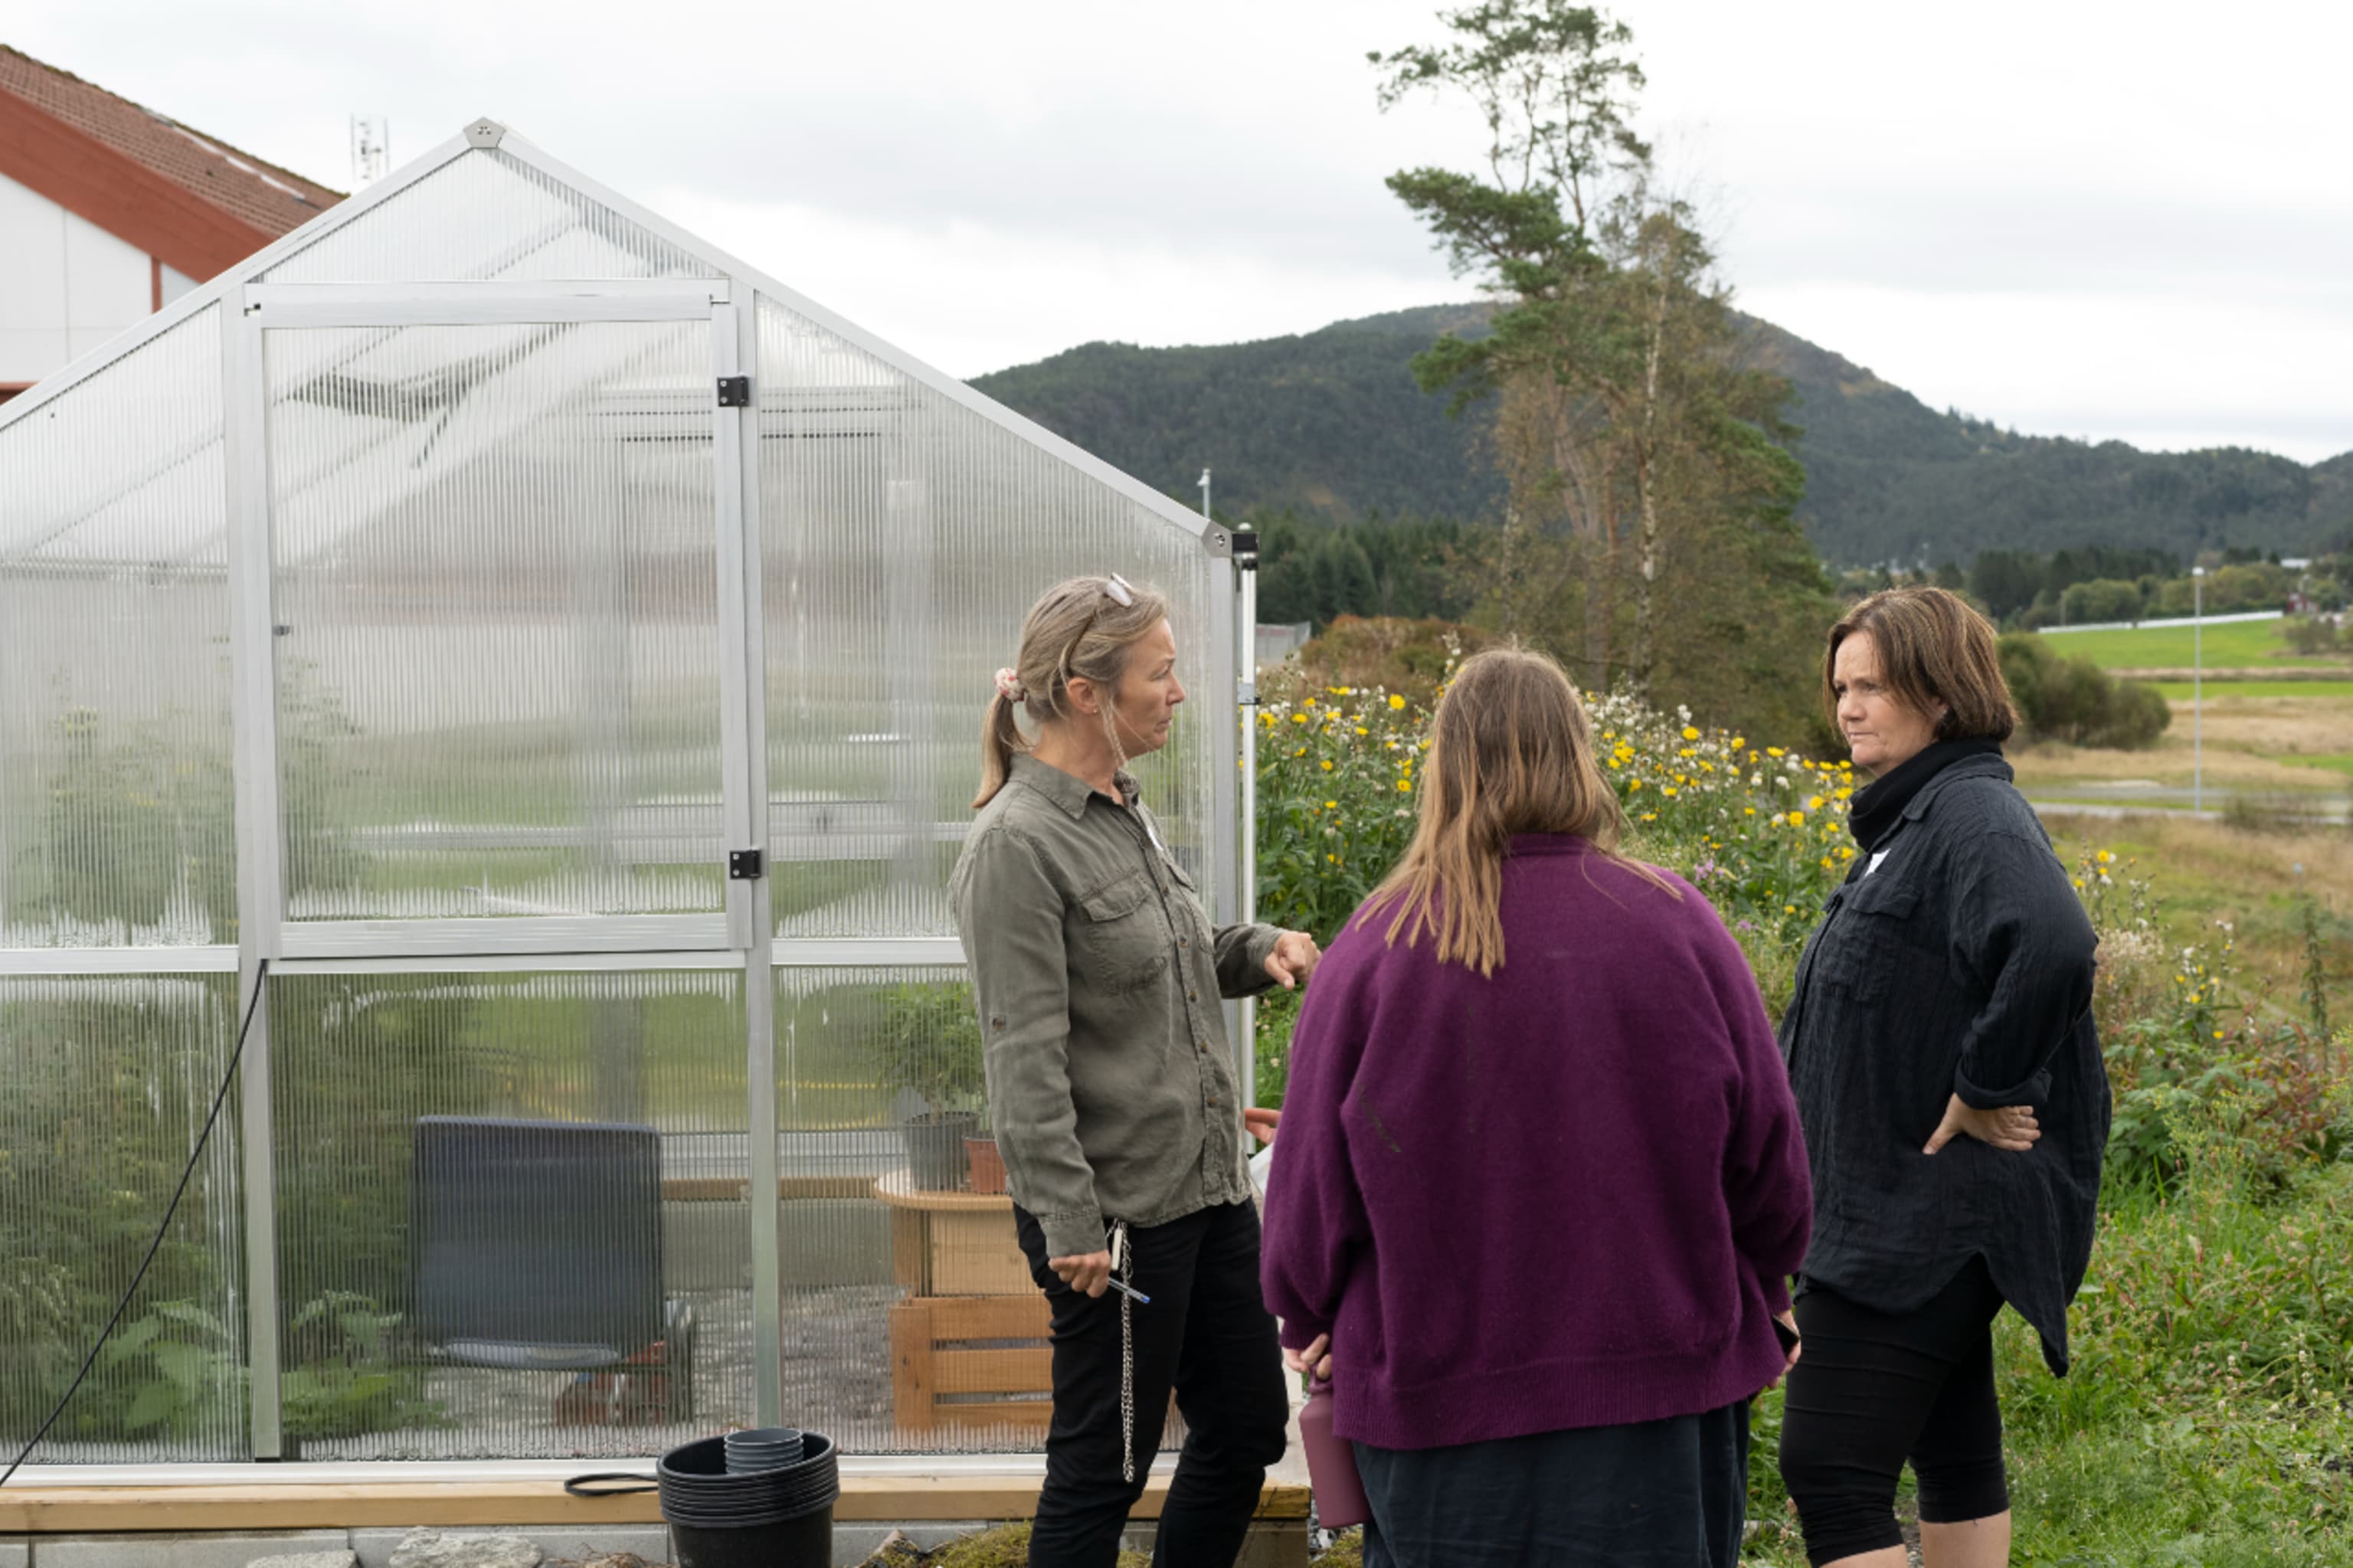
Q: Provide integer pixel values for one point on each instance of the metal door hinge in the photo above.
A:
(734, 391)
(746, 865)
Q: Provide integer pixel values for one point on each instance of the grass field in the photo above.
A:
(2180, 691)
(2232, 645)
(2155, 647)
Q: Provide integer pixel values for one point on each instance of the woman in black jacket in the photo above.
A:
(1948, 1078)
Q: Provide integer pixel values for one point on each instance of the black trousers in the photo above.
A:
(1875, 1389)
(1207, 1335)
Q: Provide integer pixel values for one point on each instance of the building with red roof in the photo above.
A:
(109, 210)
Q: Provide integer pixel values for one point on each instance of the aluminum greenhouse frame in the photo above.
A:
(419, 393)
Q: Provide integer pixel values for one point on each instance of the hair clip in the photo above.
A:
(1123, 594)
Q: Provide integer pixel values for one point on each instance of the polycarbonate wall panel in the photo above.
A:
(510, 1212)
(487, 217)
(904, 538)
(115, 809)
(104, 1084)
(498, 652)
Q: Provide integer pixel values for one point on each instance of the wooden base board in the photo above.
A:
(91, 1510)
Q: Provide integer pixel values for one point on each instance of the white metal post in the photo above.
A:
(2198, 689)
(1246, 835)
(260, 891)
(736, 351)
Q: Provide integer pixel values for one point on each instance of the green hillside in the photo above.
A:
(1331, 421)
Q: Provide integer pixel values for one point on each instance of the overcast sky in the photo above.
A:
(2078, 218)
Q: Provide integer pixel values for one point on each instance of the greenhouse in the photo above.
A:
(525, 669)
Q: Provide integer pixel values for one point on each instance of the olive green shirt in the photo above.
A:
(1097, 974)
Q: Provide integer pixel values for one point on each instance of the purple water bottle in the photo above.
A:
(1331, 1463)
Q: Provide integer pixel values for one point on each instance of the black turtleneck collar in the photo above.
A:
(1879, 805)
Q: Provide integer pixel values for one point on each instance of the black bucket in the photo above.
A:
(768, 1519)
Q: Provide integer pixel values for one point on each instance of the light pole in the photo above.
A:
(2196, 688)
(1205, 494)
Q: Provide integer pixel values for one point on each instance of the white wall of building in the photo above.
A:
(65, 285)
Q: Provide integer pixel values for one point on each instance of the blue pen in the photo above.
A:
(1129, 1291)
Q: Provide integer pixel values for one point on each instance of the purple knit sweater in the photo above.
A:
(1566, 1195)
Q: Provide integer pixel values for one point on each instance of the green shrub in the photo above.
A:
(928, 1040)
(2102, 599)
(2075, 701)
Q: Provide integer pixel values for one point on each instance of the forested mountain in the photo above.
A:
(1331, 423)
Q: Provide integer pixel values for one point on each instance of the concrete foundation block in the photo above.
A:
(15, 1553)
(578, 1543)
(344, 1557)
(573, 1543)
(168, 1551)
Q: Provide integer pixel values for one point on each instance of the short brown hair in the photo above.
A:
(1933, 648)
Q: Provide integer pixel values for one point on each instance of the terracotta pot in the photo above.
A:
(988, 1165)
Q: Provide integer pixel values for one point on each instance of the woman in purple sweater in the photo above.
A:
(1541, 1182)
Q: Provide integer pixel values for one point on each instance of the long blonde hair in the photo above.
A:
(1511, 751)
(1081, 628)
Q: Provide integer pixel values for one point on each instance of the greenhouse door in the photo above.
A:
(495, 778)
(499, 555)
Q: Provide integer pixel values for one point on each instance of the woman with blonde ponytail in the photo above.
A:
(1097, 974)
(1542, 1182)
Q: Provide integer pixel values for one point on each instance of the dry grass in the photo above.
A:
(2204, 873)
(2254, 742)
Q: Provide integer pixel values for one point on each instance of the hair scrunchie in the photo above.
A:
(1008, 686)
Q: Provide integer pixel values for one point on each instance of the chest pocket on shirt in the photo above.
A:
(1122, 941)
(1868, 947)
(1187, 903)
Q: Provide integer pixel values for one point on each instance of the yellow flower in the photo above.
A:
(1690, 734)
(1300, 752)
(1362, 730)
(1649, 816)
(1327, 765)
(1406, 786)
(1737, 743)
(1775, 751)
(1788, 909)
(2193, 999)
(2218, 1034)
(1751, 811)
(1396, 701)
(1815, 804)
(1669, 792)
(1634, 784)
(1797, 818)
(1826, 862)
(1330, 805)
(2079, 883)
(1298, 718)
(2106, 857)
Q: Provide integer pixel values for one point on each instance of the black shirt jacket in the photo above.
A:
(1963, 965)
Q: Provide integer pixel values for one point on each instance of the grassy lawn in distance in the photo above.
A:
(2233, 644)
(2180, 691)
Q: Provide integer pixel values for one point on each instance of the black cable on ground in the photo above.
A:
(170, 1210)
